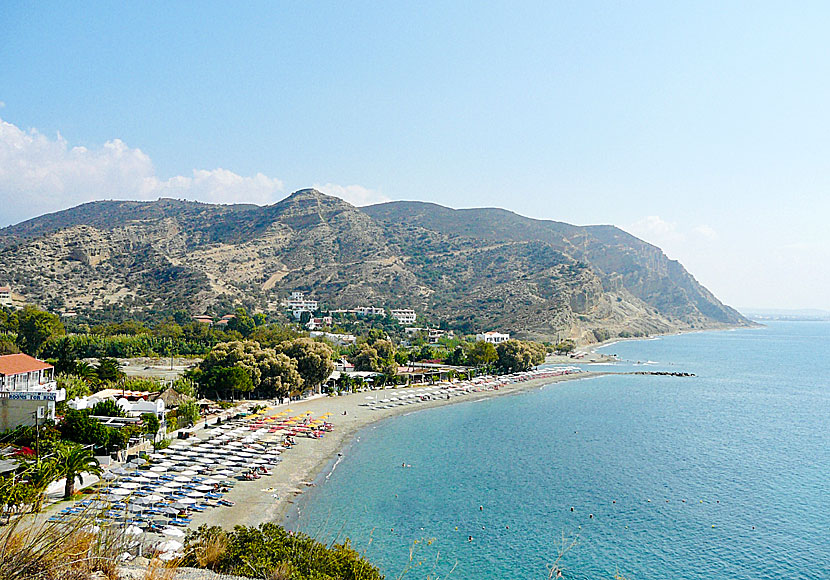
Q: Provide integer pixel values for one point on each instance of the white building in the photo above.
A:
(298, 304)
(404, 315)
(369, 311)
(493, 337)
(28, 391)
(316, 323)
(6, 297)
(338, 339)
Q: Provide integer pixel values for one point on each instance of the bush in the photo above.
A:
(269, 550)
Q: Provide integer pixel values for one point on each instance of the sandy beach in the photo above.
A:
(270, 498)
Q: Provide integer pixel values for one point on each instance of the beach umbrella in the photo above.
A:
(158, 468)
(133, 531)
(121, 491)
(182, 478)
(204, 488)
(195, 494)
(209, 481)
(189, 473)
(130, 485)
(165, 489)
(109, 476)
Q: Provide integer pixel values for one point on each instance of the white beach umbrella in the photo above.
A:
(121, 491)
(133, 531)
(195, 494)
(129, 485)
(189, 473)
(182, 478)
(165, 489)
(158, 468)
(209, 481)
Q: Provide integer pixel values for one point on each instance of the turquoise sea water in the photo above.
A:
(735, 463)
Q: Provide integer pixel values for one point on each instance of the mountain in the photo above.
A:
(475, 269)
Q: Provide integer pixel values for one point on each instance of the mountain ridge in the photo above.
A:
(471, 269)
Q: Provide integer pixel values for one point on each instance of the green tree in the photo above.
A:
(241, 322)
(314, 360)
(79, 427)
(241, 354)
(87, 373)
(187, 413)
(456, 357)
(224, 380)
(366, 359)
(482, 354)
(565, 347)
(65, 350)
(109, 370)
(107, 408)
(151, 423)
(514, 356)
(279, 374)
(8, 347)
(73, 461)
(35, 327)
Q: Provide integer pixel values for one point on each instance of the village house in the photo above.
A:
(298, 304)
(28, 391)
(369, 311)
(316, 323)
(493, 337)
(404, 315)
(6, 297)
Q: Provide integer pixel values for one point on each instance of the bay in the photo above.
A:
(722, 475)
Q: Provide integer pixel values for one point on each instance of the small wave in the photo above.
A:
(334, 466)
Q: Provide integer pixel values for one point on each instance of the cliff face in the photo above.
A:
(473, 269)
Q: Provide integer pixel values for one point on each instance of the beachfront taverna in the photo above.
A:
(28, 391)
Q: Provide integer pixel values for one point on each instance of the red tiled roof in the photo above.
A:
(15, 364)
(5, 289)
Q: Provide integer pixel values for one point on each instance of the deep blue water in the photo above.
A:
(746, 444)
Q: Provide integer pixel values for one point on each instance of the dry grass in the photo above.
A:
(210, 551)
(158, 570)
(68, 550)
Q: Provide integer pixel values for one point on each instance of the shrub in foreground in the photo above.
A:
(271, 551)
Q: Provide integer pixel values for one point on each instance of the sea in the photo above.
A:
(724, 475)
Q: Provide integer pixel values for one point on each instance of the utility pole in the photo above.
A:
(37, 437)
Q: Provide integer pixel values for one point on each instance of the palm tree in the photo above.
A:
(87, 372)
(73, 461)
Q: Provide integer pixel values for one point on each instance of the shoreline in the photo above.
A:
(271, 498)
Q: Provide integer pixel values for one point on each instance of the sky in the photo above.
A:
(700, 127)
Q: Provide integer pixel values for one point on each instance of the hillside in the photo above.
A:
(471, 269)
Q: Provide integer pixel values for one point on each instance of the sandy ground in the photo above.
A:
(270, 498)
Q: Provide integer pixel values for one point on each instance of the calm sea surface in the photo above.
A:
(726, 475)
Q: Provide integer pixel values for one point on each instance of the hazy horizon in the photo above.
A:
(699, 129)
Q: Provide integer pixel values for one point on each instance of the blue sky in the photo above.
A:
(701, 127)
